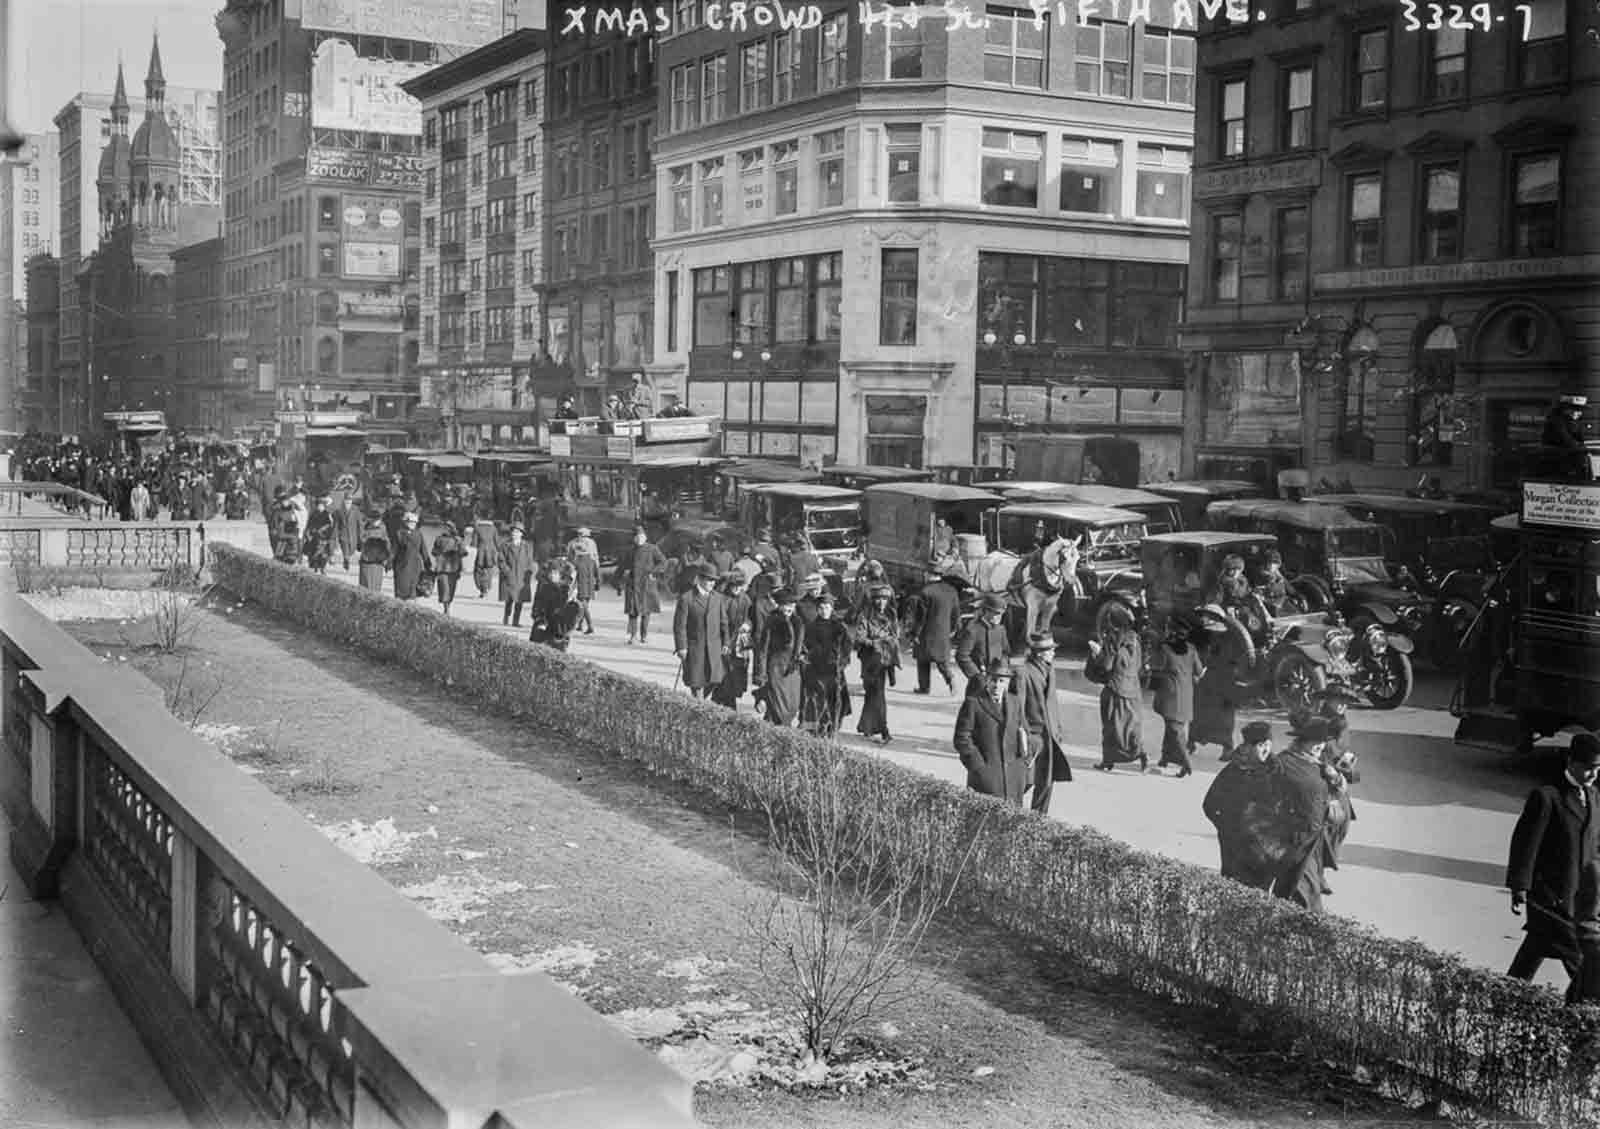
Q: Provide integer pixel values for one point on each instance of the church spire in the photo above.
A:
(119, 100)
(155, 82)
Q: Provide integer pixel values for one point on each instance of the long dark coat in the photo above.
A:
(517, 564)
(1217, 695)
(586, 577)
(486, 554)
(319, 538)
(1173, 676)
(285, 532)
(988, 739)
(376, 553)
(738, 642)
(877, 640)
(824, 697)
(411, 560)
(555, 613)
(1116, 668)
(1240, 805)
(697, 631)
(642, 565)
(777, 667)
(448, 549)
(1041, 713)
(1554, 840)
(1303, 814)
(980, 643)
(347, 526)
(940, 619)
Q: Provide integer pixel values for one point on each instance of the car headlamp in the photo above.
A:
(1338, 643)
(1377, 640)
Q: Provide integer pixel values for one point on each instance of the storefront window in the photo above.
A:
(1252, 400)
(1356, 437)
(1430, 431)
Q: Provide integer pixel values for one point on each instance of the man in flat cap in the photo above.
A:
(982, 641)
(1239, 805)
(1553, 845)
(697, 632)
(991, 736)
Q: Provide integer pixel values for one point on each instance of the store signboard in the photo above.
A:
(372, 218)
(349, 91)
(397, 170)
(371, 260)
(344, 166)
(1573, 505)
(454, 23)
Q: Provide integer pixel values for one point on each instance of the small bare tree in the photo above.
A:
(186, 701)
(840, 935)
(174, 608)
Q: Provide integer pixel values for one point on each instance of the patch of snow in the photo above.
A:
(222, 736)
(374, 843)
(644, 1023)
(563, 960)
(455, 898)
(691, 968)
(122, 604)
(466, 855)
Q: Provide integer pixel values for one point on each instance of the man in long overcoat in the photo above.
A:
(1553, 843)
(347, 527)
(1240, 804)
(982, 641)
(517, 565)
(485, 539)
(1041, 714)
(738, 640)
(640, 571)
(411, 558)
(938, 620)
(1303, 796)
(697, 632)
(990, 738)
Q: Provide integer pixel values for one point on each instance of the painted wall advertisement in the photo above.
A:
(372, 227)
(360, 167)
(455, 23)
(371, 260)
(351, 92)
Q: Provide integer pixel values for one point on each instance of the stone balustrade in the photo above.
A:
(276, 979)
(150, 546)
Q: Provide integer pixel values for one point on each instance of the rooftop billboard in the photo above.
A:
(450, 23)
(352, 92)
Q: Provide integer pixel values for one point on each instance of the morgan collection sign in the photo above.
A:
(1565, 504)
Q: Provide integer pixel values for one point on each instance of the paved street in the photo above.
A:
(1425, 858)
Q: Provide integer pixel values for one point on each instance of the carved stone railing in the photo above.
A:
(101, 546)
(276, 979)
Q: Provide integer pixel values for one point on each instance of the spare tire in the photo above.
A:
(1314, 591)
(1243, 646)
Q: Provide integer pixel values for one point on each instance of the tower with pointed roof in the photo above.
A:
(115, 164)
(155, 159)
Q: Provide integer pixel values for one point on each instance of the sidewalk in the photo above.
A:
(70, 1057)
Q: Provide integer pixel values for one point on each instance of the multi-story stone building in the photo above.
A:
(34, 211)
(43, 407)
(1397, 240)
(84, 127)
(482, 240)
(902, 241)
(322, 186)
(600, 121)
(208, 395)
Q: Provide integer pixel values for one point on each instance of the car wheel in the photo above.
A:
(1297, 681)
(1312, 593)
(1390, 684)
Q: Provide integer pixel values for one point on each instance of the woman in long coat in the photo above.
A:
(776, 673)
(641, 568)
(285, 530)
(554, 611)
(1217, 693)
(319, 536)
(824, 697)
(877, 640)
(376, 553)
(1114, 662)
(585, 583)
(738, 637)
(410, 559)
(448, 550)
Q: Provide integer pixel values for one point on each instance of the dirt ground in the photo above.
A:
(632, 892)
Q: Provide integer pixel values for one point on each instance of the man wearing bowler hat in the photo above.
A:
(698, 632)
(1552, 845)
(991, 738)
(982, 641)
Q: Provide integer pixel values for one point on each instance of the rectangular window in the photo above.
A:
(501, 161)
(627, 241)
(1089, 181)
(327, 213)
(427, 330)
(1162, 190)
(427, 282)
(530, 210)
(647, 136)
(685, 93)
(713, 307)
(685, 16)
(474, 275)
(453, 175)
(1293, 243)
(474, 326)
(897, 307)
(501, 102)
(600, 160)
(785, 64)
(786, 178)
(530, 269)
(833, 52)
(1146, 306)
(1441, 213)
(905, 163)
(830, 169)
(713, 88)
(1297, 119)
(1231, 140)
(681, 182)
(501, 322)
(672, 311)
(530, 154)
(1371, 86)
(1168, 67)
(1536, 204)
(530, 99)
(903, 42)
(1364, 210)
(1010, 170)
(476, 164)
(527, 324)
(429, 184)
(646, 232)
(827, 273)
(477, 116)
(502, 215)
(711, 192)
(630, 152)
(755, 89)
(477, 221)
(1542, 44)
(500, 270)
(1447, 64)
(789, 317)
(1101, 57)
(599, 238)
(1226, 238)
(1013, 47)
(752, 326)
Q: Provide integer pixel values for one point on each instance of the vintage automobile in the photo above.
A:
(735, 475)
(1194, 495)
(1531, 666)
(854, 477)
(901, 521)
(1288, 657)
(970, 474)
(829, 516)
(1333, 561)
(508, 479)
(1161, 515)
(1108, 554)
(1437, 547)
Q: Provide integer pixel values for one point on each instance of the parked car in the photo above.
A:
(855, 477)
(1161, 514)
(829, 516)
(1333, 561)
(901, 520)
(1194, 495)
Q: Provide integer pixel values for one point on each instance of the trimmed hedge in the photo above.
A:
(1325, 986)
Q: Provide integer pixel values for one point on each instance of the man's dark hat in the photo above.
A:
(1000, 668)
(1257, 731)
(1312, 729)
(517, 527)
(1585, 749)
(707, 571)
(785, 596)
(1041, 641)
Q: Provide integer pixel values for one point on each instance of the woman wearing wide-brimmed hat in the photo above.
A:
(775, 674)
(876, 635)
(1114, 662)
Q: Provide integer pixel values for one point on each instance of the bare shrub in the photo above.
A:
(187, 701)
(325, 778)
(840, 934)
(174, 608)
(32, 577)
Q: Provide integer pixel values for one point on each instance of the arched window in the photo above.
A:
(1430, 428)
(1358, 410)
(327, 308)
